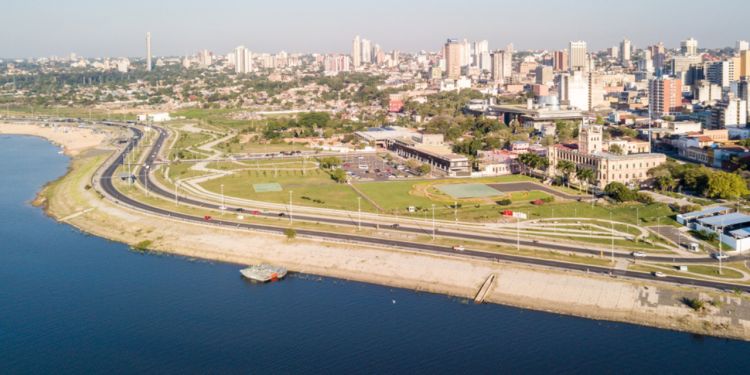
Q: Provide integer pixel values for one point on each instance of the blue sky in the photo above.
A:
(116, 28)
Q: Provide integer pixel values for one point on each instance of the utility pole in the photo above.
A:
(145, 178)
(359, 213)
(721, 230)
(176, 185)
(455, 212)
(291, 220)
(433, 222)
(518, 234)
(612, 232)
(222, 200)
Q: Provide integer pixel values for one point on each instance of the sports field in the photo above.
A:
(267, 187)
(461, 191)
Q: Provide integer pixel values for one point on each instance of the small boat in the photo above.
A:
(264, 273)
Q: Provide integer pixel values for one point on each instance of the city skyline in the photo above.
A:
(329, 27)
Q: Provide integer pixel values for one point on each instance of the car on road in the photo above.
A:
(659, 274)
(207, 218)
(459, 248)
(240, 210)
(719, 256)
(255, 212)
(638, 254)
(395, 226)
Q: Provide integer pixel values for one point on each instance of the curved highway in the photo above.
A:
(106, 184)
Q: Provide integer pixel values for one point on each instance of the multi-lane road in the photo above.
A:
(106, 184)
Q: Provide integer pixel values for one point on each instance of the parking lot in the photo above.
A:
(374, 167)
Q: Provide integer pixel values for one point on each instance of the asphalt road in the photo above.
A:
(107, 185)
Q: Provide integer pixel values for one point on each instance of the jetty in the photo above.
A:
(479, 298)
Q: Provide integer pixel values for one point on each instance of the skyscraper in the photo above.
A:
(625, 50)
(501, 66)
(664, 96)
(453, 51)
(741, 45)
(243, 60)
(366, 48)
(148, 51)
(689, 47)
(560, 60)
(577, 55)
(356, 52)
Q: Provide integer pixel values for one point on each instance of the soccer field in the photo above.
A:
(461, 191)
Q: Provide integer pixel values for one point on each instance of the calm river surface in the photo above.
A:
(73, 303)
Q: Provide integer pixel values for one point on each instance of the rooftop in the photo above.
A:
(706, 212)
(726, 220)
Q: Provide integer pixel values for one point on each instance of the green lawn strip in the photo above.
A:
(313, 186)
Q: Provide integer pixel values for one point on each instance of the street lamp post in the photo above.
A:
(176, 186)
(455, 212)
(145, 178)
(359, 213)
(612, 235)
(433, 222)
(291, 219)
(222, 199)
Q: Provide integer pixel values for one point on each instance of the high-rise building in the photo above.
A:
(560, 60)
(744, 68)
(148, 51)
(658, 56)
(544, 74)
(501, 66)
(730, 111)
(573, 89)
(356, 52)
(367, 57)
(480, 48)
(722, 73)
(453, 51)
(205, 58)
(243, 60)
(741, 45)
(625, 51)
(689, 47)
(664, 96)
(577, 55)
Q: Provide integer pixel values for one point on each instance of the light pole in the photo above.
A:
(222, 199)
(721, 230)
(455, 212)
(176, 186)
(291, 219)
(145, 178)
(518, 234)
(359, 213)
(433, 222)
(612, 234)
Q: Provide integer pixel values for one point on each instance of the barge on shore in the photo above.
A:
(264, 273)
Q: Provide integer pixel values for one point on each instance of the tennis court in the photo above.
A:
(460, 191)
(267, 188)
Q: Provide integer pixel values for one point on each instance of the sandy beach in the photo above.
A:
(572, 293)
(72, 139)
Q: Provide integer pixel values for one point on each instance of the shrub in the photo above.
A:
(143, 245)
(694, 303)
(504, 202)
(549, 199)
(290, 233)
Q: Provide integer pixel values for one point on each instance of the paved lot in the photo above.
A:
(529, 186)
(679, 237)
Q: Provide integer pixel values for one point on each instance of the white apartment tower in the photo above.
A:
(356, 52)
(625, 51)
(689, 47)
(243, 60)
(501, 66)
(148, 51)
(577, 55)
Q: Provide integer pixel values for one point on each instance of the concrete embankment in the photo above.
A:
(573, 293)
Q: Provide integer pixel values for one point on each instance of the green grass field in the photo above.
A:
(316, 185)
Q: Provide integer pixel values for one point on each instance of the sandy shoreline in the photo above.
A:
(72, 139)
(570, 293)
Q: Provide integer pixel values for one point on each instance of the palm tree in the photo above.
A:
(584, 176)
(566, 168)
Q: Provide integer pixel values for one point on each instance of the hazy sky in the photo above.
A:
(32, 28)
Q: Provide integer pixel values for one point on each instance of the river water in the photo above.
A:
(73, 303)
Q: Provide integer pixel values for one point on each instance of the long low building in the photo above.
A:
(689, 219)
(733, 229)
(439, 158)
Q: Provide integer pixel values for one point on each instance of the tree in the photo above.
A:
(666, 183)
(330, 162)
(424, 169)
(290, 233)
(338, 175)
(566, 168)
(725, 185)
(585, 176)
(616, 149)
(620, 192)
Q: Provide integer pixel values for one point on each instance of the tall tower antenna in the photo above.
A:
(148, 51)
